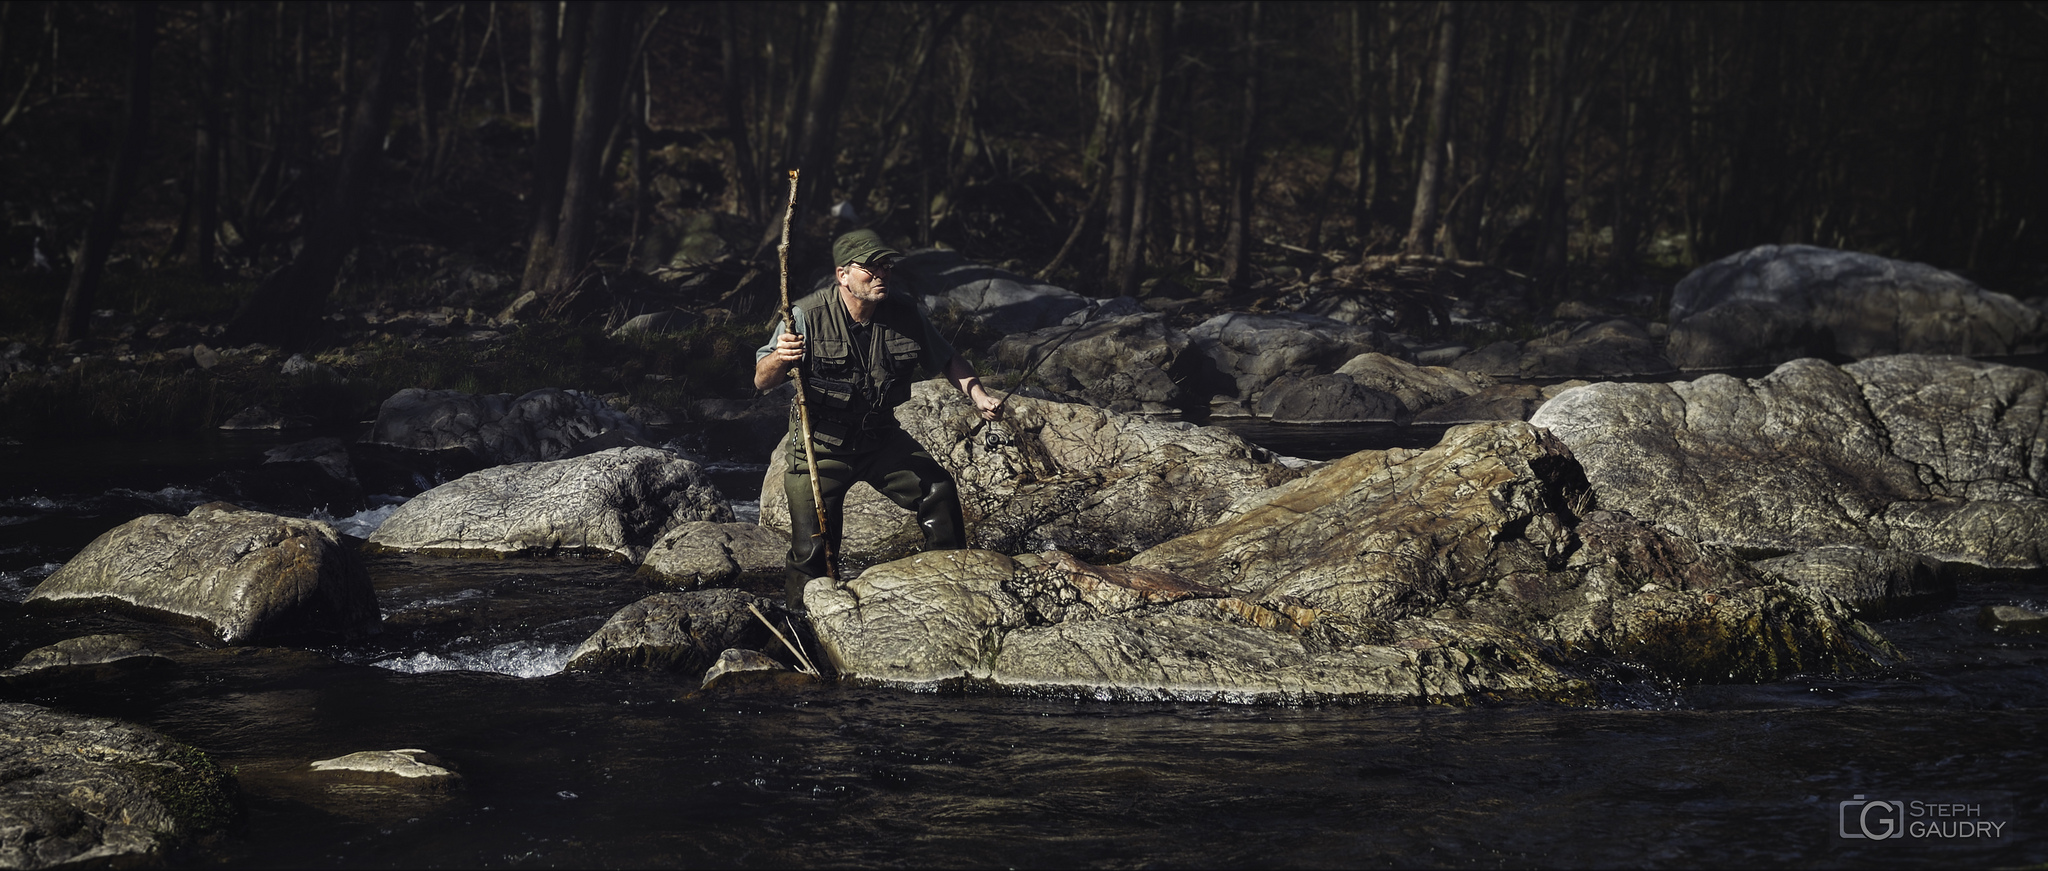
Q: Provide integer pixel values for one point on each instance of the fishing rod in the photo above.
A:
(1033, 370)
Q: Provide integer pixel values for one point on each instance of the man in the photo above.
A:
(861, 346)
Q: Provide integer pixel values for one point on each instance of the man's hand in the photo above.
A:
(789, 349)
(773, 369)
(990, 407)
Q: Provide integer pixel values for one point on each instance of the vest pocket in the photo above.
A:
(903, 353)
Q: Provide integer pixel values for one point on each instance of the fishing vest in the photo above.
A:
(854, 378)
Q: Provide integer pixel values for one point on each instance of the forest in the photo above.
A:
(257, 164)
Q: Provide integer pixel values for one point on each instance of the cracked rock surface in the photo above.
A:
(1775, 303)
(86, 792)
(1073, 477)
(1463, 571)
(1928, 455)
(616, 503)
(247, 575)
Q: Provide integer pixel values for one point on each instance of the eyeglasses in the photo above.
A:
(878, 270)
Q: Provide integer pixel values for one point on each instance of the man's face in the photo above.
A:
(868, 282)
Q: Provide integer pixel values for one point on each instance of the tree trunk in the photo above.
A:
(822, 98)
(556, 60)
(597, 105)
(76, 315)
(1158, 38)
(1429, 184)
(1244, 163)
(286, 307)
(745, 181)
(206, 149)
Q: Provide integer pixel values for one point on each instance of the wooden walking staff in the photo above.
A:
(803, 409)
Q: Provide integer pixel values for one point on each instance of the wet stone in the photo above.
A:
(2012, 620)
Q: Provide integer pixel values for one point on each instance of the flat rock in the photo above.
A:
(2012, 619)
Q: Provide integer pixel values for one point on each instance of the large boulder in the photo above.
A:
(1129, 363)
(1473, 569)
(431, 433)
(82, 792)
(1065, 475)
(1776, 303)
(1936, 456)
(1332, 398)
(616, 503)
(683, 632)
(1047, 621)
(247, 575)
(1248, 352)
(999, 301)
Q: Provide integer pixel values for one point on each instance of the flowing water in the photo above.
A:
(641, 770)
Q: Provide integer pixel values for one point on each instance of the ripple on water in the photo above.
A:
(517, 658)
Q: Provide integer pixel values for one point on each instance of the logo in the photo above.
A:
(1876, 820)
(1864, 818)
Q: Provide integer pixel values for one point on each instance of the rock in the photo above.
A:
(1250, 351)
(702, 553)
(1334, 398)
(615, 503)
(545, 424)
(1612, 348)
(674, 632)
(1776, 303)
(1929, 455)
(1486, 526)
(88, 792)
(736, 667)
(412, 769)
(87, 650)
(256, 417)
(1457, 573)
(1419, 388)
(2012, 619)
(658, 323)
(1875, 584)
(1082, 479)
(998, 300)
(1498, 402)
(1131, 363)
(247, 575)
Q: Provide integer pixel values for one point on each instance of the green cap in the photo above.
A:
(860, 246)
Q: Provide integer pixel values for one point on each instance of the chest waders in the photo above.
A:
(856, 376)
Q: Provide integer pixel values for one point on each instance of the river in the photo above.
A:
(1949, 749)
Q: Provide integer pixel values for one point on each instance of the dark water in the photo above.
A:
(639, 770)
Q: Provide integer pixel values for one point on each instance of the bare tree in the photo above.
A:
(286, 306)
(1429, 183)
(1244, 160)
(76, 315)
